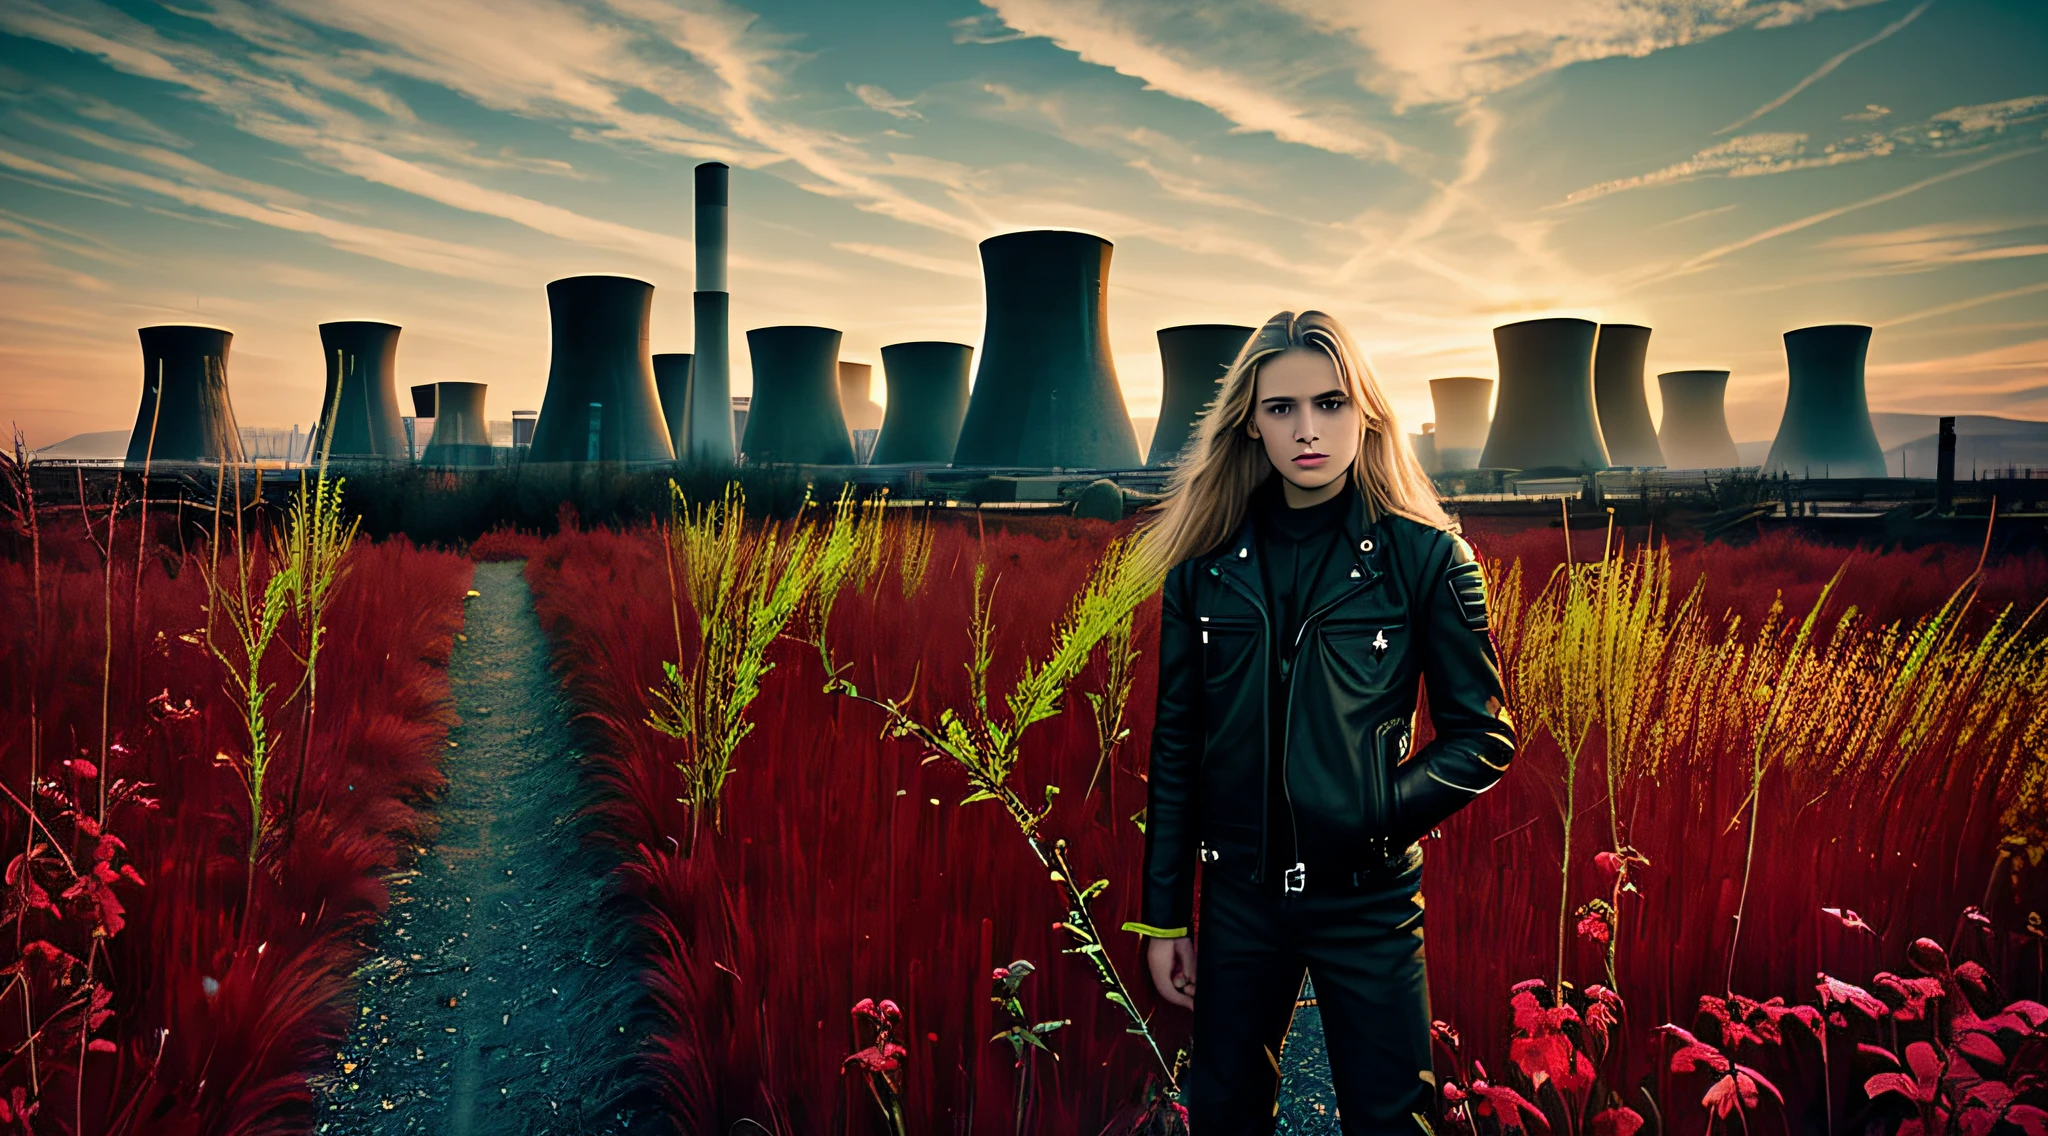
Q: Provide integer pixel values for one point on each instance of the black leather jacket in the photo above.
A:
(1407, 608)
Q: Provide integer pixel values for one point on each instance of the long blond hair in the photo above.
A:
(1211, 486)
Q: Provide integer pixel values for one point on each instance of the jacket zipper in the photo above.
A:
(1287, 728)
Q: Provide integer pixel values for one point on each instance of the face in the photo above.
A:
(1305, 418)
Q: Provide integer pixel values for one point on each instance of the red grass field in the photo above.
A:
(218, 1010)
(845, 870)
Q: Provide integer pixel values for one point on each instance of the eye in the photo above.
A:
(1331, 403)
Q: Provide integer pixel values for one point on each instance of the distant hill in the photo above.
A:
(1984, 443)
(98, 445)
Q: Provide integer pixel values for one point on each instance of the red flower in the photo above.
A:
(1834, 991)
(1497, 1101)
(1913, 994)
(1594, 926)
(1736, 1087)
(1617, 1122)
(1609, 865)
(1849, 919)
(1541, 1049)
(1923, 1088)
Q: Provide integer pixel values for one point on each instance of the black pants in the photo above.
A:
(1363, 947)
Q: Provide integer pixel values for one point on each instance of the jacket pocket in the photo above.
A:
(1363, 654)
(1230, 649)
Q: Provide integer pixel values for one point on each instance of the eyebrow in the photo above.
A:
(1331, 393)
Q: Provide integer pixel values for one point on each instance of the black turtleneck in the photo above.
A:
(1294, 548)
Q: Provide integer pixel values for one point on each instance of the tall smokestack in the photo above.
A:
(1545, 418)
(1826, 431)
(185, 414)
(1695, 431)
(600, 378)
(1464, 407)
(711, 432)
(1618, 393)
(1192, 359)
(795, 414)
(673, 375)
(360, 410)
(927, 401)
(1046, 393)
(462, 436)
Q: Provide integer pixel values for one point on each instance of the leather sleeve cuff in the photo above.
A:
(1156, 932)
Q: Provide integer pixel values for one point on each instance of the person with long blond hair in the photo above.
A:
(1313, 583)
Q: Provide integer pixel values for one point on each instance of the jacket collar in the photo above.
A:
(1238, 561)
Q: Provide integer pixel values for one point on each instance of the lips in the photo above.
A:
(1310, 459)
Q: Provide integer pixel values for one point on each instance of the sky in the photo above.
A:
(1720, 170)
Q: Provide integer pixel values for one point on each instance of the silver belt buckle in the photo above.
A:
(1295, 879)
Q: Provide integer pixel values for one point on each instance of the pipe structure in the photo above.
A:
(712, 439)
(1695, 428)
(1192, 359)
(856, 401)
(795, 414)
(1826, 430)
(185, 414)
(1045, 391)
(1464, 411)
(600, 376)
(1618, 394)
(673, 374)
(360, 410)
(1544, 419)
(927, 401)
(462, 437)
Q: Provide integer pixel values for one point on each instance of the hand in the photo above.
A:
(1172, 963)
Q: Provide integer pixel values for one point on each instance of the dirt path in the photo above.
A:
(498, 1001)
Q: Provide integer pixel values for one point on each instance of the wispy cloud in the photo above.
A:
(879, 98)
(1104, 34)
(2013, 122)
(1825, 68)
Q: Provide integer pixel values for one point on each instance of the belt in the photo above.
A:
(1378, 852)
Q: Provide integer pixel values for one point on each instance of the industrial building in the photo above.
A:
(1826, 430)
(1045, 391)
(601, 403)
(711, 439)
(185, 414)
(1464, 412)
(1192, 359)
(359, 415)
(462, 436)
(927, 382)
(795, 415)
(1545, 417)
(1695, 428)
(1618, 395)
(673, 375)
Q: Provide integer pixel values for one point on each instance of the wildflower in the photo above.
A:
(1735, 1087)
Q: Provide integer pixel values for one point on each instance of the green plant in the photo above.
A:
(745, 588)
(987, 747)
(1026, 1038)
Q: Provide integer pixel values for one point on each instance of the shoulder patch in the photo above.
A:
(1468, 588)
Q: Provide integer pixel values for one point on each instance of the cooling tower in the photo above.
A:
(600, 372)
(927, 401)
(423, 400)
(1424, 445)
(672, 379)
(361, 405)
(1826, 429)
(1045, 394)
(795, 415)
(1618, 395)
(711, 432)
(1695, 430)
(1544, 417)
(1192, 360)
(462, 439)
(1463, 408)
(185, 413)
(856, 400)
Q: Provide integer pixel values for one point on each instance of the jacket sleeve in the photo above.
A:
(1174, 765)
(1475, 740)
